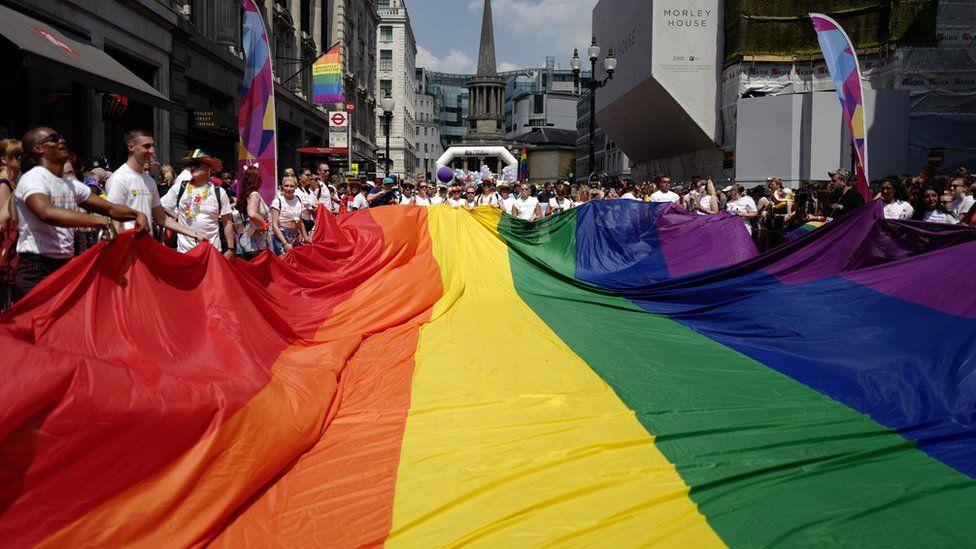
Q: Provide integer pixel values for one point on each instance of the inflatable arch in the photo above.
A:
(466, 152)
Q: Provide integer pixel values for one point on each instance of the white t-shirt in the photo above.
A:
(421, 200)
(436, 199)
(563, 205)
(197, 211)
(741, 205)
(899, 209)
(133, 189)
(961, 206)
(627, 196)
(289, 210)
(935, 216)
(325, 198)
(526, 207)
(507, 203)
(309, 201)
(36, 236)
(456, 202)
(490, 200)
(359, 202)
(670, 196)
(705, 203)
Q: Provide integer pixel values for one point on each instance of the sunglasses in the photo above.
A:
(53, 138)
(194, 165)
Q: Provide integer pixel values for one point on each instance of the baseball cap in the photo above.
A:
(727, 189)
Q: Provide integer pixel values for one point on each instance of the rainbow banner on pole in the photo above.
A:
(327, 78)
(523, 174)
(841, 58)
(621, 374)
(257, 122)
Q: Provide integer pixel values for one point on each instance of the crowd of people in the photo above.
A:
(53, 205)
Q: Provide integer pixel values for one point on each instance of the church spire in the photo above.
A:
(486, 53)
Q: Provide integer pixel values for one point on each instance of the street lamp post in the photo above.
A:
(593, 84)
(387, 104)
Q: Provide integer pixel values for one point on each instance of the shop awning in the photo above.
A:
(44, 46)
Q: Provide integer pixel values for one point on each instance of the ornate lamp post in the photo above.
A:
(387, 104)
(593, 84)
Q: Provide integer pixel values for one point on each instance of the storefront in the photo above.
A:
(58, 78)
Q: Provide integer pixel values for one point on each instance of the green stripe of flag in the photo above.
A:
(769, 460)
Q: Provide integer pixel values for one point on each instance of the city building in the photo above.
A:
(396, 78)
(540, 98)
(608, 160)
(428, 140)
(733, 90)
(173, 67)
(353, 24)
(450, 92)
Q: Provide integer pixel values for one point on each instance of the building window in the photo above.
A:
(386, 60)
(386, 88)
(540, 103)
(306, 16)
(386, 33)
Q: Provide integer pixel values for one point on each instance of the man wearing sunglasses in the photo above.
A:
(47, 208)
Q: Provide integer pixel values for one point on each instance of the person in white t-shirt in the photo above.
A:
(47, 206)
(930, 209)
(440, 195)
(202, 206)
(505, 198)
(561, 202)
(421, 198)
(526, 206)
(629, 191)
(359, 200)
(406, 194)
(741, 204)
(325, 195)
(131, 186)
(488, 196)
(894, 196)
(286, 215)
(454, 198)
(962, 201)
(707, 203)
(664, 192)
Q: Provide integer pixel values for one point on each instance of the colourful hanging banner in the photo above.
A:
(256, 119)
(327, 78)
(844, 69)
(524, 165)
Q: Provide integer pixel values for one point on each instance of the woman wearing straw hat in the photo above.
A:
(201, 206)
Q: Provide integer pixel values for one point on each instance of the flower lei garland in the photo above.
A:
(191, 205)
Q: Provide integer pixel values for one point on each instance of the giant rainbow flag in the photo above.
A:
(256, 121)
(841, 59)
(621, 374)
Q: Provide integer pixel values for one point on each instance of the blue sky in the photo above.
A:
(526, 31)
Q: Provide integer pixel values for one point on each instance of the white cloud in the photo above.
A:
(457, 61)
(560, 24)
(506, 66)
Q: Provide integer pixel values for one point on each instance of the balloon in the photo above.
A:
(445, 174)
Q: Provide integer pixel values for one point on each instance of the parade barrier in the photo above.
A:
(623, 373)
